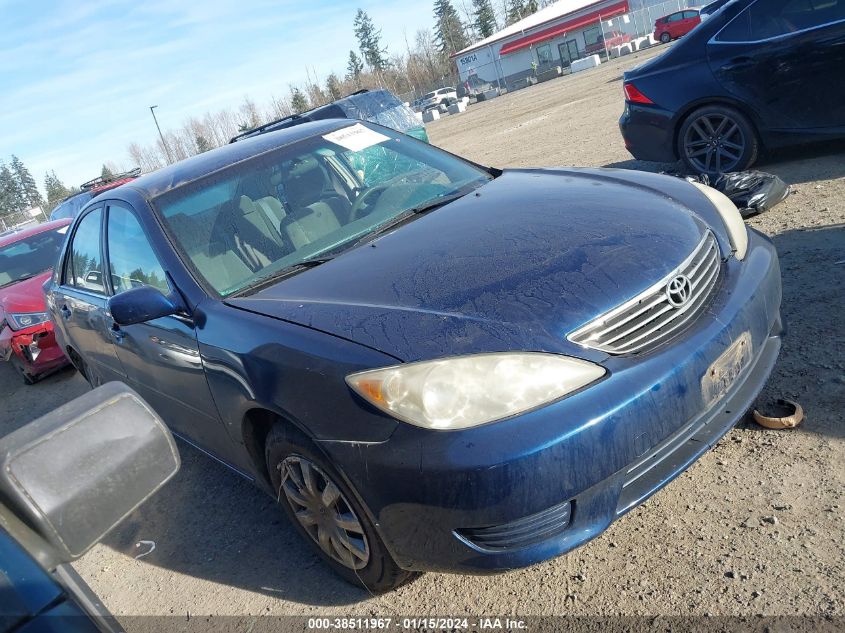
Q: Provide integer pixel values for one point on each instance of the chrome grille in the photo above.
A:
(657, 314)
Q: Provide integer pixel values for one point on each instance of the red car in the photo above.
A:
(611, 38)
(26, 333)
(675, 25)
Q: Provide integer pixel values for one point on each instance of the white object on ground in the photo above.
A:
(430, 115)
(457, 108)
(584, 64)
(150, 544)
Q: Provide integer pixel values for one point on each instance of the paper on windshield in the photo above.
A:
(356, 137)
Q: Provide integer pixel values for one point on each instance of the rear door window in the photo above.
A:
(761, 21)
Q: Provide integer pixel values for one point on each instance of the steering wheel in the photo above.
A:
(361, 200)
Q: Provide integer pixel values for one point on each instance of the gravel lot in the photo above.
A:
(755, 527)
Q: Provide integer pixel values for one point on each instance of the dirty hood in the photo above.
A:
(517, 265)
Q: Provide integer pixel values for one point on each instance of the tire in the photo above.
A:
(665, 38)
(289, 451)
(717, 139)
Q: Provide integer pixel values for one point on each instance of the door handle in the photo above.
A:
(739, 63)
(65, 311)
(116, 333)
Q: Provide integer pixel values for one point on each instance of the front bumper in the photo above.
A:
(603, 450)
(33, 350)
(649, 132)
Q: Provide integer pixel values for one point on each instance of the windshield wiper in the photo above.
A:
(287, 271)
(19, 279)
(431, 205)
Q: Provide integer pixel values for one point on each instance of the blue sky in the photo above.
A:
(77, 77)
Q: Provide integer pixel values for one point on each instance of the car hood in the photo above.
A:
(516, 265)
(24, 296)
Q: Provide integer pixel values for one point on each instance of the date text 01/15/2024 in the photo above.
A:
(416, 623)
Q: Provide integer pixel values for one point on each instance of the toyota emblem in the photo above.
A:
(679, 290)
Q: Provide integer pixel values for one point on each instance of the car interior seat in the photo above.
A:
(316, 205)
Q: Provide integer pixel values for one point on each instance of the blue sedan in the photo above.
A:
(432, 365)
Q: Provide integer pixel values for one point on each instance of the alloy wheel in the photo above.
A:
(714, 143)
(324, 512)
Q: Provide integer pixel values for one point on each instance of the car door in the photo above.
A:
(160, 358)
(690, 21)
(673, 24)
(80, 301)
(784, 58)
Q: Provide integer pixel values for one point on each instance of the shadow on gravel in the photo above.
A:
(207, 522)
(210, 523)
(796, 165)
(811, 368)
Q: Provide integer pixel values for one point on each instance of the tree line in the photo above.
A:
(422, 66)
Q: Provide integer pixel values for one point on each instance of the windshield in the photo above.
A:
(261, 217)
(69, 209)
(30, 256)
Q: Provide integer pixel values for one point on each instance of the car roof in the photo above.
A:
(184, 171)
(34, 230)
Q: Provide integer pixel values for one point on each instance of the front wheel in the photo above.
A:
(327, 514)
(717, 139)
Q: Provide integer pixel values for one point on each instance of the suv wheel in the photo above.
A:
(327, 514)
(716, 140)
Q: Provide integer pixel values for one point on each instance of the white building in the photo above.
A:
(554, 37)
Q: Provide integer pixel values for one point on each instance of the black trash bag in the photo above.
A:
(751, 191)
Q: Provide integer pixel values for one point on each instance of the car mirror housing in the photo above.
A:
(141, 304)
(75, 473)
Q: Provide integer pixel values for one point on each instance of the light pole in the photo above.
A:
(163, 142)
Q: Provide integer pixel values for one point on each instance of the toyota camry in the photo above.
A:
(431, 364)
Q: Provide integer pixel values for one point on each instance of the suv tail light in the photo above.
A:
(633, 95)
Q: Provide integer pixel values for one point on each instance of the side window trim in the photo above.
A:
(715, 40)
(68, 255)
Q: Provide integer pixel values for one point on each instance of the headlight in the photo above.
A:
(466, 391)
(27, 319)
(735, 225)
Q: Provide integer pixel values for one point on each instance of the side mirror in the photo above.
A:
(75, 473)
(141, 304)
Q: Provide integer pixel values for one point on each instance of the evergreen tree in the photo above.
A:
(298, 101)
(516, 11)
(333, 87)
(11, 201)
(106, 173)
(28, 190)
(531, 6)
(202, 144)
(448, 29)
(56, 190)
(355, 67)
(485, 18)
(369, 42)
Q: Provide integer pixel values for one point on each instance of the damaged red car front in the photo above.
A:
(26, 333)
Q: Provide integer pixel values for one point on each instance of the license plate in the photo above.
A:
(719, 377)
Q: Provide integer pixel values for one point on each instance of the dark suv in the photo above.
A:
(72, 205)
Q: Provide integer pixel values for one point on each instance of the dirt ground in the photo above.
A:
(755, 527)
